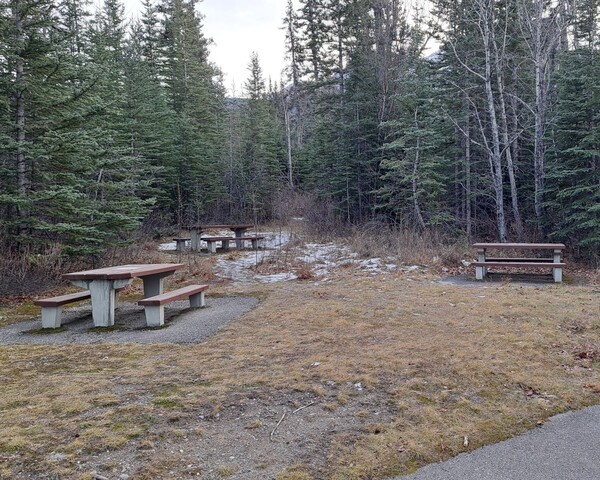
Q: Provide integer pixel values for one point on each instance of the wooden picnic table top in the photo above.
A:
(522, 246)
(123, 271)
(230, 226)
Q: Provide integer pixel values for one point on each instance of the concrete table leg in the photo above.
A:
(104, 298)
(225, 244)
(557, 272)
(239, 233)
(195, 240)
(480, 272)
(153, 284)
(212, 246)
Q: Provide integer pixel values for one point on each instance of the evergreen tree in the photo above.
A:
(262, 150)
(414, 170)
(574, 171)
(196, 94)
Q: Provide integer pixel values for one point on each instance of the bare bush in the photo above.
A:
(408, 246)
(305, 272)
(25, 272)
(290, 204)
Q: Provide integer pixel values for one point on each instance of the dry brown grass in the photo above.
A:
(406, 246)
(433, 364)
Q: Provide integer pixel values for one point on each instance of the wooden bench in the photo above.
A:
(154, 307)
(52, 307)
(554, 262)
(212, 247)
(180, 243)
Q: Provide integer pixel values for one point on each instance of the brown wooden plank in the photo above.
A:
(123, 271)
(503, 259)
(215, 227)
(522, 246)
(219, 239)
(517, 264)
(63, 299)
(173, 295)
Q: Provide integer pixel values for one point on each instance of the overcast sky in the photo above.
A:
(238, 28)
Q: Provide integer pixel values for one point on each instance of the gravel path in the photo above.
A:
(182, 324)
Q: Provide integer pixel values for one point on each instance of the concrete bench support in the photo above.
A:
(154, 307)
(180, 244)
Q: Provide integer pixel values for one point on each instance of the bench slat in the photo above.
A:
(220, 239)
(63, 299)
(172, 296)
(518, 264)
(522, 246)
(526, 260)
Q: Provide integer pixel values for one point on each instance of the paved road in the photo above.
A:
(567, 447)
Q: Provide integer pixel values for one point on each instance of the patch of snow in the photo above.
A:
(167, 246)
(276, 277)
(238, 269)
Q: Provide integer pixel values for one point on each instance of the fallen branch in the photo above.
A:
(302, 408)
(276, 426)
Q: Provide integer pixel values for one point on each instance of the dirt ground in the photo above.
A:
(362, 375)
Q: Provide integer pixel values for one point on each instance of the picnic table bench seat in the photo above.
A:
(516, 263)
(212, 247)
(52, 307)
(154, 307)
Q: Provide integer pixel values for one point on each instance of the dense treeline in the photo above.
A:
(108, 124)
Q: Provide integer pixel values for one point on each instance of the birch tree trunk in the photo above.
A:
(415, 183)
(542, 25)
(468, 200)
(500, 60)
(494, 153)
(288, 137)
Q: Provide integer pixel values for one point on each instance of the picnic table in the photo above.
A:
(104, 282)
(196, 232)
(554, 263)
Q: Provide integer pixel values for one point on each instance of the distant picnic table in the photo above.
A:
(554, 263)
(239, 231)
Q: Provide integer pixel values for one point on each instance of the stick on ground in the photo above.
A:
(302, 408)
(276, 426)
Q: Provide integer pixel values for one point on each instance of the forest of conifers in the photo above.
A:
(479, 119)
